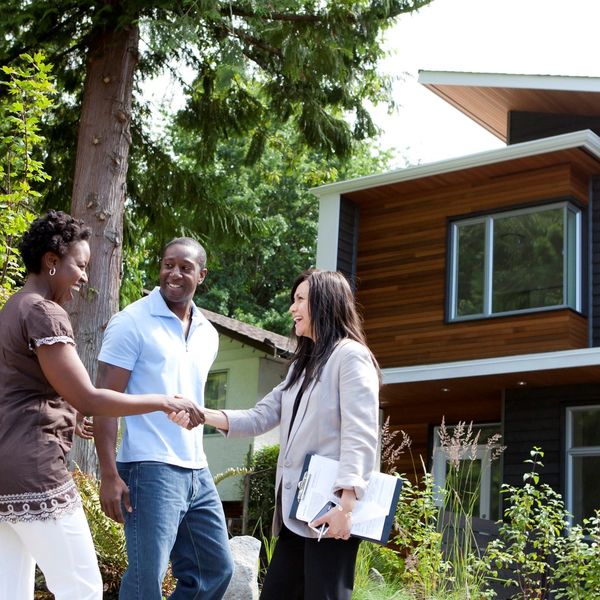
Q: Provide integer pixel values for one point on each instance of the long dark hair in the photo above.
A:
(334, 317)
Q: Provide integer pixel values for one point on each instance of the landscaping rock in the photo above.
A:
(244, 583)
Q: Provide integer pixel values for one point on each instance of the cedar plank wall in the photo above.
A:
(401, 269)
(401, 272)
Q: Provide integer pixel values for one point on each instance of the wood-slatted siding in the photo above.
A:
(401, 268)
(418, 418)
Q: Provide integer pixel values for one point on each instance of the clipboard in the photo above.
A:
(380, 499)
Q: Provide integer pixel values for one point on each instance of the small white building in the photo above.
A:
(250, 363)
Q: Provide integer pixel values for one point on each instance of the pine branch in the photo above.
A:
(377, 11)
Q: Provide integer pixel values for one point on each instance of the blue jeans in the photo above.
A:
(177, 514)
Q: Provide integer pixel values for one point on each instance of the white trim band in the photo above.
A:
(500, 365)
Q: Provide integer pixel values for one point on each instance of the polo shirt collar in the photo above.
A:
(158, 307)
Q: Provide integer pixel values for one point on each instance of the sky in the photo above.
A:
(543, 37)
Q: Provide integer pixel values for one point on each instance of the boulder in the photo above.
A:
(244, 583)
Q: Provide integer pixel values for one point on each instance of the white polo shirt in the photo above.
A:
(147, 339)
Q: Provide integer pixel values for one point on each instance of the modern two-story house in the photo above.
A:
(479, 282)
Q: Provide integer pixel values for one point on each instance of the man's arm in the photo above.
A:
(113, 490)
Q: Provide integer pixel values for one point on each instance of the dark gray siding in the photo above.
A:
(526, 126)
(535, 417)
(348, 240)
(594, 232)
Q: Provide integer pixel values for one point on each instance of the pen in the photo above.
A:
(321, 531)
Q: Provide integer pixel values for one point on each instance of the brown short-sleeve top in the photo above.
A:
(36, 424)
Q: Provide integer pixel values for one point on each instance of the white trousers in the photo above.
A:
(63, 549)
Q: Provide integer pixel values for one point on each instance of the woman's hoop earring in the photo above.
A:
(52, 272)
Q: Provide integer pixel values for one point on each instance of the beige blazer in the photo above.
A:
(337, 417)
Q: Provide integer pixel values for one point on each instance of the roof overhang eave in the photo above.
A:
(586, 139)
(502, 365)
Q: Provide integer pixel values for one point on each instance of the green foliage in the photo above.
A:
(29, 89)
(578, 561)
(545, 558)
(108, 536)
(250, 277)
(434, 537)
(420, 539)
(251, 269)
(372, 562)
(262, 466)
(293, 76)
(534, 519)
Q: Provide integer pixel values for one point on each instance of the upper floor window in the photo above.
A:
(513, 261)
(215, 394)
(582, 461)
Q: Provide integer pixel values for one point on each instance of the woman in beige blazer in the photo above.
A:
(328, 404)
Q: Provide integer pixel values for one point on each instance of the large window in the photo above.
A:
(514, 261)
(583, 461)
(215, 394)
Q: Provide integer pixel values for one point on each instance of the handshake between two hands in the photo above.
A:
(183, 412)
(188, 416)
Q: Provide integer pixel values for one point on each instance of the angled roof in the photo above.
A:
(487, 98)
(586, 140)
(266, 341)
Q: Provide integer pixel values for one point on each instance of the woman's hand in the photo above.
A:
(339, 521)
(179, 405)
(339, 517)
(181, 418)
(84, 427)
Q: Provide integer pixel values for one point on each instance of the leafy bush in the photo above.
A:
(578, 561)
(545, 558)
(261, 501)
(28, 88)
(109, 538)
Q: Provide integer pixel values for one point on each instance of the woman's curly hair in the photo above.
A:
(54, 232)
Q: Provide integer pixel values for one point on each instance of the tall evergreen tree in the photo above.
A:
(257, 66)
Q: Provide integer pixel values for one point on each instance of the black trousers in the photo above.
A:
(304, 569)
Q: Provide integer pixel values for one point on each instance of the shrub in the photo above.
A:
(109, 538)
(261, 499)
(534, 520)
(578, 561)
(28, 89)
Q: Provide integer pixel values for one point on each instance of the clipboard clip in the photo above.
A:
(303, 486)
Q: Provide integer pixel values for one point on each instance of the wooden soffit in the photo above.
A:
(487, 98)
(488, 378)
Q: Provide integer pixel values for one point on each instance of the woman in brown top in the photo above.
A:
(42, 385)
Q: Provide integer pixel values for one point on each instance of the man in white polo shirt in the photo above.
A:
(163, 343)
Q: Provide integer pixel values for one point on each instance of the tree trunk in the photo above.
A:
(99, 192)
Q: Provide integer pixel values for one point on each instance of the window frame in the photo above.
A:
(209, 429)
(578, 452)
(572, 269)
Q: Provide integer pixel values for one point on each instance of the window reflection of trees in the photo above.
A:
(528, 263)
(471, 267)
